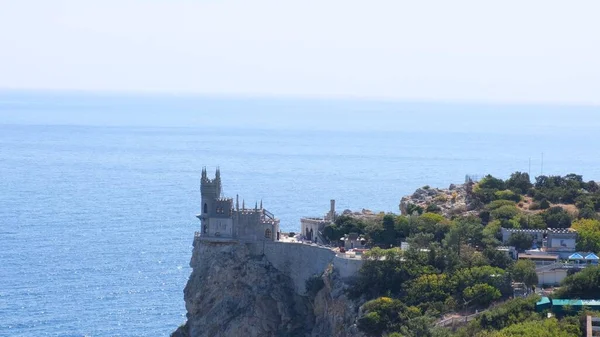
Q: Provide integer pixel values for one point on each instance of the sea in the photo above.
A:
(99, 191)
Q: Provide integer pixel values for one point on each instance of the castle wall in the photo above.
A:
(299, 261)
(347, 268)
(250, 227)
(220, 227)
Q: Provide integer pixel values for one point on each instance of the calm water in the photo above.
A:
(96, 222)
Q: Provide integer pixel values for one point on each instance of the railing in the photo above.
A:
(269, 214)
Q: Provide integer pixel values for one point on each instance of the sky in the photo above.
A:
(535, 51)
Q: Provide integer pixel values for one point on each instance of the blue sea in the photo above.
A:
(98, 192)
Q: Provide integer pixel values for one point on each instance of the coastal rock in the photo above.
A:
(233, 291)
(455, 200)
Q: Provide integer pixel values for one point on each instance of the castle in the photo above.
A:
(220, 220)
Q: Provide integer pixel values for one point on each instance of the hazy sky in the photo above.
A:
(507, 51)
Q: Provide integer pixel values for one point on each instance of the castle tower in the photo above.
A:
(215, 216)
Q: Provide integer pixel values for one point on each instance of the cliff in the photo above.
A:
(455, 200)
(240, 289)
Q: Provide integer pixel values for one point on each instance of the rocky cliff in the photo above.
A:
(235, 291)
(455, 200)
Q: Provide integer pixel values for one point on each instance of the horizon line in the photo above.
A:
(294, 97)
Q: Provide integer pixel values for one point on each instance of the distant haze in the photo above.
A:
(95, 109)
(542, 51)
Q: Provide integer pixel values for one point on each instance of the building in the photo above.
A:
(352, 241)
(312, 227)
(559, 241)
(219, 218)
(540, 259)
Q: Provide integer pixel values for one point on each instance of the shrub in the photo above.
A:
(544, 204)
(507, 195)
(441, 198)
(433, 208)
(291, 234)
(426, 187)
(412, 208)
(499, 203)
(534, 206)
(314, 284)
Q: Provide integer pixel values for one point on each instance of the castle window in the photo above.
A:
(268, 233)
(205, 208)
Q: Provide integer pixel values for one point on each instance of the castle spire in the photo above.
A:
(261, 204)
(204, 173)
(256, 206)
(237, 202)
(218, 174)
(243, 204)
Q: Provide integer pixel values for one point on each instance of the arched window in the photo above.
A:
(205, 208)
(268, 233)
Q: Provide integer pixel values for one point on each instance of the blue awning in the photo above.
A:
(576, 256)
(591, 256)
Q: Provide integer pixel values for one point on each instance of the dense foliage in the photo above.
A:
(584, 284)
(453, 265)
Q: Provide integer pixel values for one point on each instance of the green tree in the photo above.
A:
(588, 234)
(519, 182)
(389, 230)
(524, 271)
(505, 214)
(490, 182)
(521, 241)
(548, 328)
(510, 312)
(584, 284)
(481, 294)
(332, 233)
(428, 288)
(588, 213)
(469, 277)
(557, 217)
(465, 231)
(385, 314)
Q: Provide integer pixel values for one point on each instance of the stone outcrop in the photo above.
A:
(455, 200)
(235, 291)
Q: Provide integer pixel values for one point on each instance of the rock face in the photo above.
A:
(233, 291)
(456, 200)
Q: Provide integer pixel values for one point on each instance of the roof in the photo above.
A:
(538, 256)
(591, 256)
(575, 256)
(544, 300)
(595, 303)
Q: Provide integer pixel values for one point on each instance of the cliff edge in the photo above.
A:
(236, 290)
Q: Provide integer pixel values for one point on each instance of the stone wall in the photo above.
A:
(296, 260)
(346, 267)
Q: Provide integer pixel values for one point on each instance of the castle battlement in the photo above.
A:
(220, 219)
